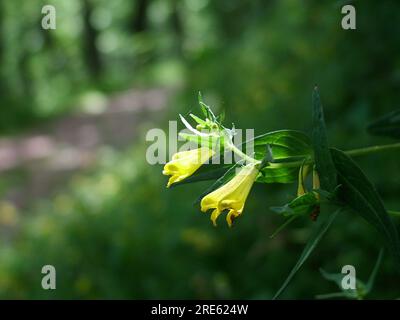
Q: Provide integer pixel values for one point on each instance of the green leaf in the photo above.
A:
(361, 196)
(197, 119)
(388, 125)
(332, 295)
(206, 109)
(221, 117)
(301, 205)
(361, 289)
(374, 272)
(283, 226)
(202, 106)
(330, 196)
(322, 157)
(283, 143)
(318, 232)
(278, 175)
(335, 277)
(284, 146)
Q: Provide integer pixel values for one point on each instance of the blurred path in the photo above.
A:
(50, 154)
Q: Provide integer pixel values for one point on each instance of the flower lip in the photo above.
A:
(185, 163)
(231, 196)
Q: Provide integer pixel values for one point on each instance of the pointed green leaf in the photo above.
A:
(322, 156)
(206, 109)
(318, 232)
(283, 143)
(197, 119)
(283, 226)
(337, 278)
(374, 272)
(301, 205)
(278, 175)
(284, 146)
(201, 104)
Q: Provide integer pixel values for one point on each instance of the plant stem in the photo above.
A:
(241, 154)
(353, 152)
(373, 149)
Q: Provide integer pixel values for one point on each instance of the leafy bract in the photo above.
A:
(322, 156)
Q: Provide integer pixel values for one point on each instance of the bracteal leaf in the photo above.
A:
(322, 156)
(301, 205)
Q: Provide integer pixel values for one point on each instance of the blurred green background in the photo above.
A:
(76, 103)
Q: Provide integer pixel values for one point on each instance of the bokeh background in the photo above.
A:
(76, 102)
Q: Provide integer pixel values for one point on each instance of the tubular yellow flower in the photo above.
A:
(231, 196)
(303, 172)
(316, 183)
(185, 163)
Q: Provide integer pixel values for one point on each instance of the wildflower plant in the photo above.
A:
(286, 156)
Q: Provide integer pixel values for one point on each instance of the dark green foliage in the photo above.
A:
(360, 195)
(114, 231)
(322, 155)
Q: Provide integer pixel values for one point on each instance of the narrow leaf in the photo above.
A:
(318, 232)
(322, 156)
(332, 295)
(374, 272)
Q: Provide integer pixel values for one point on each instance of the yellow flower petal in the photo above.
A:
(231, 196)
(185, 163)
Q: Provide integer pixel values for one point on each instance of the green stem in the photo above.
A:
(354, 153)
(373, 149)
(241, 154)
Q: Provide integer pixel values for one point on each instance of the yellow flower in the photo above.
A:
(185, 163)
(231, 196)
(303, 172)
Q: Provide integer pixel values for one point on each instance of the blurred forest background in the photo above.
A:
(76, 103)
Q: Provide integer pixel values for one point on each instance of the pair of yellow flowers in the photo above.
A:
(231, 196)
